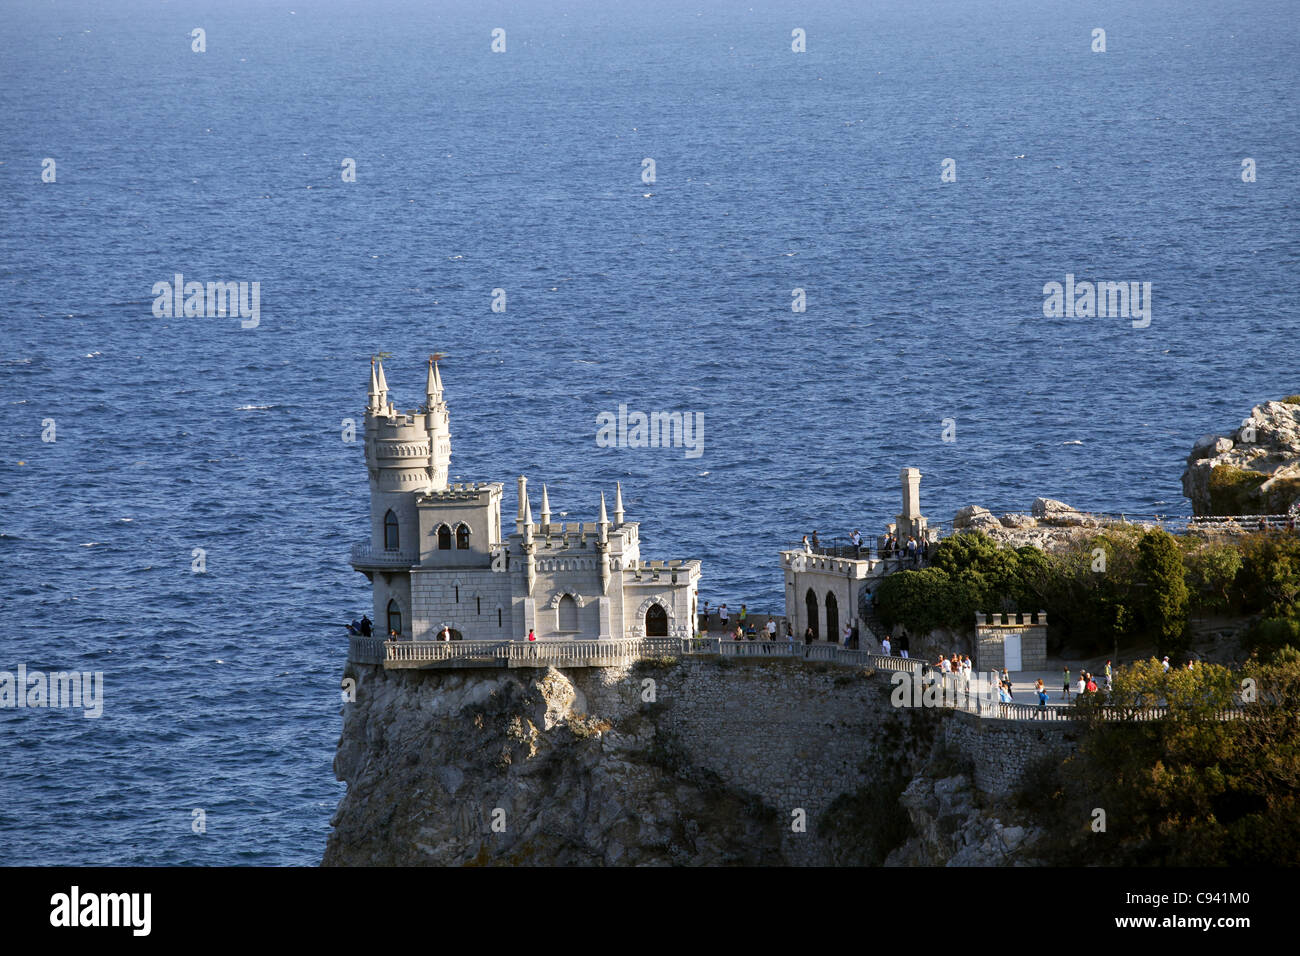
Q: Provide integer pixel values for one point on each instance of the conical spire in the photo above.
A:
(546, 510)
(432, 389)
(604, 518)
(373, 404)
(383, 387)
(437, 378)
(618, 502)
(528, 518)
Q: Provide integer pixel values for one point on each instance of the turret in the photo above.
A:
(373, 406)
(522, 495)
(385, 406)
(618, 502)
(546, 512)
(602, 545)
(530, 561)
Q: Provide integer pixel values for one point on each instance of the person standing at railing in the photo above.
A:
(807, 547)
(816, 541)
(856, 538)
(1041, 691)
(1108, 677)
(1065, 678)
(366, 627)
(789, 632)
(744, 615)
(445, 633)
(771, 629)
(723, 616)
(884, 646)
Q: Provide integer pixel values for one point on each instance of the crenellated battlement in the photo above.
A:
(1009, 620)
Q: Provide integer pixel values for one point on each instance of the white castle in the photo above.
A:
(437, 557)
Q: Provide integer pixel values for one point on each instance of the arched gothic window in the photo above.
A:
(392, 541)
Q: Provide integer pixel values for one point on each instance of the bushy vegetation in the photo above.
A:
(1190, 790)
(1120, 586)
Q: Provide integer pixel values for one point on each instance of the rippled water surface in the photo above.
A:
(522, 171)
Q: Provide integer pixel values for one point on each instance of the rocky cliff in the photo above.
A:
(678, 762)
(1254, 469)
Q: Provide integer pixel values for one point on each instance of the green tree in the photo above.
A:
(1163, 601)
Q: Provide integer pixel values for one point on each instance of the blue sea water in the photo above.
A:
(522, 171)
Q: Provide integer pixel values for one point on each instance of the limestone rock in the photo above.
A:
(964, 516)
(1266, 448)
(1018, 521)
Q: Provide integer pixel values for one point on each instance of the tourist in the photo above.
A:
(816, 541)
(1092, 685)
(1041, 691)
(808, 635)
(1006, 678)
(1065, 677)
(532, 636)
(750, 633)
(846, 636)
(884, 646)
(854, 636)
(1108, 683)
(904, 644)
(365, 626)
(392, 634)
(723, 616)
(856, 538)
(744, 614)
(771, 629)
(355, 627)
(1165, 664)
(807, 548)
(789, 632)
(737, 634)
(911, 551)
(445, 634)
(1080, 686)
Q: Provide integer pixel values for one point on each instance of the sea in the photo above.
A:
(178, 495)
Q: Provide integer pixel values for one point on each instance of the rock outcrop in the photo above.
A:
(576, 767)
(1252, 470)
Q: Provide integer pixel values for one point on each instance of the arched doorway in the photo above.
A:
(567, 616)
(394, 618)
(810, 602)
(656, 621)
(832, 617)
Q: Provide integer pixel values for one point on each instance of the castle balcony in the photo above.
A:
(364, 557)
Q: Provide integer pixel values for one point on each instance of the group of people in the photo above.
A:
(1086, 683)
(361, 628)
(911, 552)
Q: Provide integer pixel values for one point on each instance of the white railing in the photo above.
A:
(597, 653)
(366, 650)
(367, 556)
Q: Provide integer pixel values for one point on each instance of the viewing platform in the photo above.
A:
(427, 655)
(364, 556)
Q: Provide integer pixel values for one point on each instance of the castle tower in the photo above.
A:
(406, 453)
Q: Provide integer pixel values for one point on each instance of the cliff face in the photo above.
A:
(1252, 470)
(697, 762)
